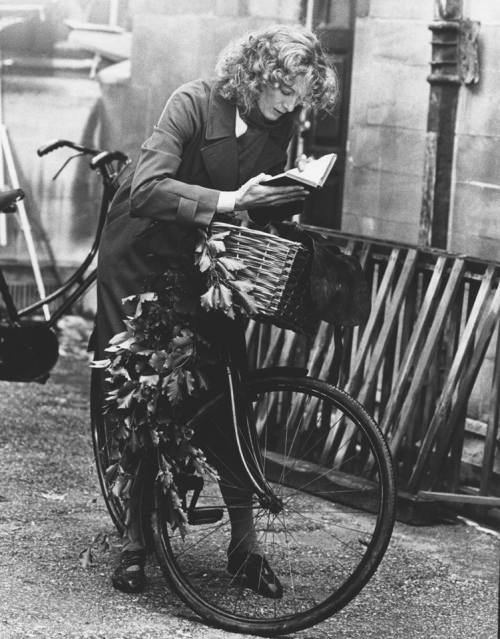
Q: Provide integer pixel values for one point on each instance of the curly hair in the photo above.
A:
(277, 56)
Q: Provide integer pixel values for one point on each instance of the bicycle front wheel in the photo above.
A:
(329, 464)
(105, 449)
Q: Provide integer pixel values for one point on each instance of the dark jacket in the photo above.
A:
(152, 224)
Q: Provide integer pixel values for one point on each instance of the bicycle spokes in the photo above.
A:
(328, 475)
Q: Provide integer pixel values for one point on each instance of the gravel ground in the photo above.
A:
(436, 582)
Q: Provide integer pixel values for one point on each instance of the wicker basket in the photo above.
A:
(279, 270)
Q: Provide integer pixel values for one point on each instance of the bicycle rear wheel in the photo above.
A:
(328, 462)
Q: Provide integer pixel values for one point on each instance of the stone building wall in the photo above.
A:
(475, 216)
(387, 120)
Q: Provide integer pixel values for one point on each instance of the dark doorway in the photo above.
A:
(333, 21)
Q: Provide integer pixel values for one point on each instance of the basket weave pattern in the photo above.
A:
(279, 271)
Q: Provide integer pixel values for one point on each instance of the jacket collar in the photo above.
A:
(221, 116)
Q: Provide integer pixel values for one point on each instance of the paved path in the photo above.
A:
(435, 582)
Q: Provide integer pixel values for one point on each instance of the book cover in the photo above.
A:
(313, 174)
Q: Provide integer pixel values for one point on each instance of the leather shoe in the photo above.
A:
(129, 575)
(255, 573)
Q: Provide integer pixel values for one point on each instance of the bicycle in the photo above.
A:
(324, 516)
(29, 344)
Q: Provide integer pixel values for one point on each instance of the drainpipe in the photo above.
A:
(114, 10)
(454, 63)
(304, 123)
(308, 22)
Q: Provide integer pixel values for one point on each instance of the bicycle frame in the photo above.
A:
(77, 277)
(102, 162)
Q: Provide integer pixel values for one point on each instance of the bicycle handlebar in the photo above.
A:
(101, 160)
(57, 144)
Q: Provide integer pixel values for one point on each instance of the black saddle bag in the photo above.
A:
(27, 352)
(339, 291)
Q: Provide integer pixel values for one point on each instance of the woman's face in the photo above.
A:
(275, 100)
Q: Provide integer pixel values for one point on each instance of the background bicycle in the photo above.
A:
(29, 346)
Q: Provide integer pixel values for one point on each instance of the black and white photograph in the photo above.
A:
(250, 319)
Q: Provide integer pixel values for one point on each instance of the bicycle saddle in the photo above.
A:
(9, 198)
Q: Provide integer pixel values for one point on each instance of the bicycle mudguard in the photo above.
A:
(276, 371)
(27, 352)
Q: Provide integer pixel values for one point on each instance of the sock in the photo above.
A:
(239, 504)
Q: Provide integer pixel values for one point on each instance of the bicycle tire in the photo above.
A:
(343, 537)
(102, 447)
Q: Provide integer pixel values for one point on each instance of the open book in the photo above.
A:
(313, 174)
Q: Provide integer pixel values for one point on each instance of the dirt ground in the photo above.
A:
(438, 582)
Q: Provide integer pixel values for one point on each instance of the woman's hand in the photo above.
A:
(253, 194)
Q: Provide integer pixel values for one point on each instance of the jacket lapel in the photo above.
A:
(220, 152)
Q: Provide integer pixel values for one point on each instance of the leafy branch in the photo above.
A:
(152, 369)
(159, 362)
(227, 286)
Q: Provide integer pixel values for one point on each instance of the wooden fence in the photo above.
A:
(415, 364)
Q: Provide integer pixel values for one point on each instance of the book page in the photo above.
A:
(313, 174)
(316, 171)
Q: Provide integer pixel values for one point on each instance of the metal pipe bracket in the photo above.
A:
(455, 52)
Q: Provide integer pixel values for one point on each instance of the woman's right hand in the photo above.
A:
(253, 194)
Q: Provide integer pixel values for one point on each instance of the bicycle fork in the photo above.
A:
(247, 444)
(249, 459)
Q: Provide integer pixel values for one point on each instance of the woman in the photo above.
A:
(214, 144)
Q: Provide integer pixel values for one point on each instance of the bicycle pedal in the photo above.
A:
(206, 515)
